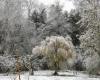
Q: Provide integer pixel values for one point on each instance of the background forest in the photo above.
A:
(41, 36)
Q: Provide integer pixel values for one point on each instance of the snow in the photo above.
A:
(47, 75)
(46, 78)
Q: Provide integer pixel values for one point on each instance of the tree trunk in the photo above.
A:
(55, 73)
(31, 72)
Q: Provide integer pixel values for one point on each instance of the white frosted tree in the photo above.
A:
(57, 50)
(11, 14)
(90, 40)
(29, 6)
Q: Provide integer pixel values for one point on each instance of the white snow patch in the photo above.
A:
(46, 75)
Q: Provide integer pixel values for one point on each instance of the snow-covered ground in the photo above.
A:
(47, 75)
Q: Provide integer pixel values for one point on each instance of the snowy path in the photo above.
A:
(46, 75)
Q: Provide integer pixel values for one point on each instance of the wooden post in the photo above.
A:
(31, 67)
(17, 65)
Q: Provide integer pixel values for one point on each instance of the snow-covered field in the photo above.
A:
(47, 75)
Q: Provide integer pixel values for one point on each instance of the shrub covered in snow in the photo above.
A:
(7, 63)
(91, 56)
(92, 63)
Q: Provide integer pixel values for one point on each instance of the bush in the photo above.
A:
(7, 63)
(92, 63)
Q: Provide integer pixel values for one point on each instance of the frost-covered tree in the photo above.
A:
(55, 23)
(90, 40)
(57, 51)
(11, 15)
(39, 17)
(56, 19)
(75, 32)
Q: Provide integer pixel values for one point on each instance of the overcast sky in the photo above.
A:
(67, 4)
